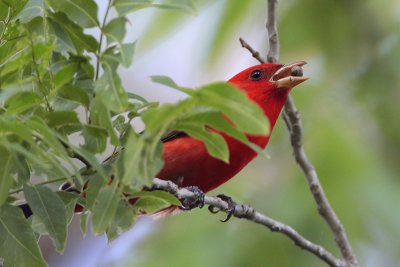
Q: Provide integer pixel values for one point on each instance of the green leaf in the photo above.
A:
(38, 226)
(167, 81)
(15, 7)
(22, 102)
(75, 94)
(124, 218)
(6, 179)
(39, 161)
(42, 54)
(100, 169)
(215, 143)
(95, 184)
(18, 243)
(140, 161)
(120, 54)
(100, 116)
(4, 10)
(49, 137)
(14, 88)
(110, 90)
(22, 167)
(154, 201)
(234, 103)
(48, 206)
(105, 208)
(127, 50)
(75, 33)
(62, 118)
(14, 56)
(34, 8)
(186, 6)
(159, 120)
(95, 138)
(159, 194)
(83, 13)
(68, 41)
(215, 120)
(70, 200)
(84, 223)
(36, 29)
(2, 26)
(138, 97)
(115, 30)
(125, 7)
(64, 75)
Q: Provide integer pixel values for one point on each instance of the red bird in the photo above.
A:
(187, 162)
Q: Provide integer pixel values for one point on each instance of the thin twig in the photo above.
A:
(273, 37)
(325, 209)
(243, 211)
(73, 154)
(254, 53)
(38, 76)
(103, 24)
(294, 124)
(41, 183)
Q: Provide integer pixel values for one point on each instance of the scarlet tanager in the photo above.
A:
(187, 162)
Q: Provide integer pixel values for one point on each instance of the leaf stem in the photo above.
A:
(6, 22)
(38, 77)
(42, 183)
(101, 39)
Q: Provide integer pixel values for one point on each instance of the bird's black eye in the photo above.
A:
(256, 74)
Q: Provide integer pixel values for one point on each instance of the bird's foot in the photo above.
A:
(231, 207)
(196, 201)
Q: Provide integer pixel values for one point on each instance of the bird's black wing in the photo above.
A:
(172, 135)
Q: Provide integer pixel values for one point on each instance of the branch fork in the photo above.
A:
(293, 122)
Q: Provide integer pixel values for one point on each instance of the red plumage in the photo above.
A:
(187, 162)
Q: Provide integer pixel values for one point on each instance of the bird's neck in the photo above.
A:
(271, 103)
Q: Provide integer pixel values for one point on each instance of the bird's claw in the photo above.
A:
(196, 201)
(231, 207)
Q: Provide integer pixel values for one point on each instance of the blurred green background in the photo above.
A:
(350, 110)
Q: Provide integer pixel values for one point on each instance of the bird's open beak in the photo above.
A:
(289, 75)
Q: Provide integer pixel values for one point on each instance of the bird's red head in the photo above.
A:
(269, 85)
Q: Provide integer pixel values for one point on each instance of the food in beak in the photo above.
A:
(289, 75)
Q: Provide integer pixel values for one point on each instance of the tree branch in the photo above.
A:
(293, 122)
(74, 154)
(254, 53)
(273, 37)
(243, 211)
(292, 119)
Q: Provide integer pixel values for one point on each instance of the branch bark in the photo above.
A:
(247, 212)
(294, 124)
(273, 37)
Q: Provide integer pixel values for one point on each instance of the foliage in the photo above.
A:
(63, 107)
